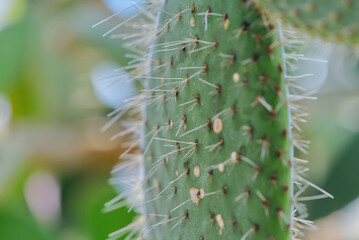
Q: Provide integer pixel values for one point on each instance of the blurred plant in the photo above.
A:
(11, 11)
(50, 121)
(339, 179)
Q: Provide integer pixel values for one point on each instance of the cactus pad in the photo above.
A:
(336, 20)
(216, 149)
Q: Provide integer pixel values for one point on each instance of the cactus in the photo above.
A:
(219, 114)
(336, 20)
(218, 143)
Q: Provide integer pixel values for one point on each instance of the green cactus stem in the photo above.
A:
(217, 151)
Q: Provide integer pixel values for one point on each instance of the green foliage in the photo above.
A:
(12, 56)
(19, 223)
(217, 153)
(339, 182)
(83, 198)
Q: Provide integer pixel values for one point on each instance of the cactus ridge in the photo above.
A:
(213, 155)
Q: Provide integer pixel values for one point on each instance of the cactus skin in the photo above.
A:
(336, 20)
(217, 146)
(241, 64)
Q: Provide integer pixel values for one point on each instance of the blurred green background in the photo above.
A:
(55, 76)
(54, 161)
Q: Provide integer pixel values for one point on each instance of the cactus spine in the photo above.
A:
(216, 158)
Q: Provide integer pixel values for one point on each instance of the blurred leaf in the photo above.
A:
(18, 224)
(13, 51)
(342, 182)
(84, 197)
(16, 220)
